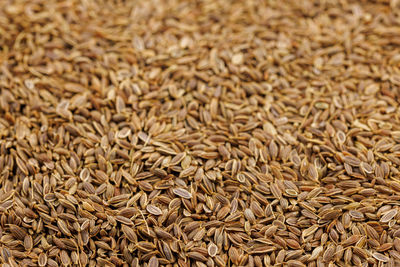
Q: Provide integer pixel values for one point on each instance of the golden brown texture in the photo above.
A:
(199, 133)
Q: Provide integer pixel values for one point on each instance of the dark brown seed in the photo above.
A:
(18, 232)
(197, 256)
(351, 240)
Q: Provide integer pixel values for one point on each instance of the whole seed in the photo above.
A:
(380, 257)
(182, 193)
(212, 250)
(153, 210)
(388, 215)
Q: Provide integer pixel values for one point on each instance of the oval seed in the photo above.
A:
(387, 216)
(212, 249)
(182, 193)
(380, 257)
(153, 209)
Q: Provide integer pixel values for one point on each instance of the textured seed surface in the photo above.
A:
(199, 133)
(153, 209)
(182, 193)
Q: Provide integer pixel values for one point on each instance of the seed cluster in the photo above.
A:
(199, 133)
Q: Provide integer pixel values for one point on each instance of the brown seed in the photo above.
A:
(387, 216)
(396, 244)
(17, 231)
(28, 242)
(380, 257)
(42, 260)
(63, 227)
(328, 254)
(177, 158)
(182, 193)
(65, 259)
(332, 214)
(384, 247)
(293, 244)
(197, 256)
(351, 240)
(310, 230)
(371, 232)
(295, 263)
(129, 233)
(248, 213)
(153, 210)
(212, 250)
(316, 253)
(276, 191)
(153, 262)
(158, 138)
(352, 161)
(356, 215)
(312, 172)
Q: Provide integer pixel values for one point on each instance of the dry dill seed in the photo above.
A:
(185, 146)
(182, 193)
(153, 209)
(388, 215)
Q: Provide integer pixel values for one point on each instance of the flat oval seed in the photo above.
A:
(387, 216)
(153, 262)
(182, 193)
(153, 209)
(380, 257)
(212, 249)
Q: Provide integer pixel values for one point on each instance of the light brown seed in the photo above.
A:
(212, 249)
(387, 216)
(182, 193)
(65, 259)
(248, 213)
(328, 254)
(153, 262)
(153, 210)
(42, 260)
(159, 138)
(129, 233)
(28, 242)
(295, 263)
(380, 257)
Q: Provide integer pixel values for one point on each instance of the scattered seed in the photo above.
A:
(199, 133)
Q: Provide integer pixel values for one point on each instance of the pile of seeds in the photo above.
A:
(199, 133)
